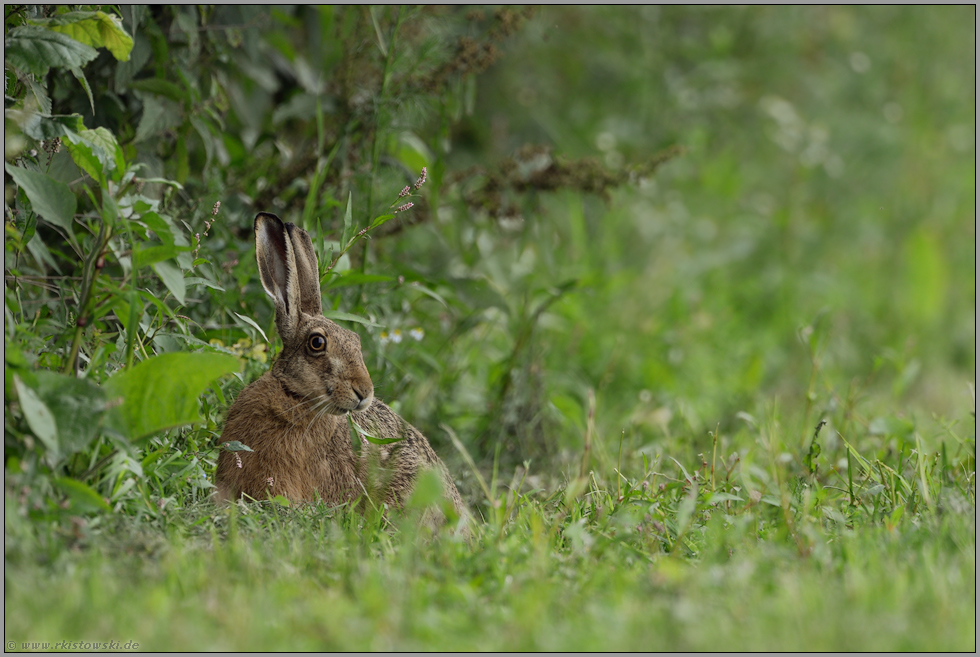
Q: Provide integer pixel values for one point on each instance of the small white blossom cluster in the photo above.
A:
(396, 336)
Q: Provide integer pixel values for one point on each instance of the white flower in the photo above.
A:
(396, 336)
(417, 333)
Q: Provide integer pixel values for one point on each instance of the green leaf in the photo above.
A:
(49, 198)
(93, 28)
(96, 152)
(370, 438)
(38, 415)
(40, 95)
(160, 87)
(162, 392)
(82, 80)
(77, 406)
(159, 115)
(154, 254)
(42, 127)
(235, 446)
(336, 314)
(348, 216)
(411, 151)
(172, 277)
(252, 323)
(162, 227)
(353, 277)
(82, 498)
(36, 50)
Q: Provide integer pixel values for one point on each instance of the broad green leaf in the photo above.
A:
(36, 50)
(162, 392)
(77, 406)
(49, 198)
(154, 254)
(336, 314)
(81, 497)
(173, 278)
(38, 415)
(94, 28)
(40, 95)
(411, 151)
(96, 152)
(42, 127)
(158, 225)
(161, 87)
(159, 115)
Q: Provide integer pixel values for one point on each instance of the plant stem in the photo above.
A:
(89, 274)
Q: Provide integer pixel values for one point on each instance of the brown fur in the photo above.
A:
(294, 416)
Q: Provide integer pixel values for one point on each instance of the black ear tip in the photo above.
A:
(268, 217)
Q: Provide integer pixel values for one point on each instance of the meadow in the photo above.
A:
(686, 302)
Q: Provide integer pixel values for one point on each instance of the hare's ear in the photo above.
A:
(278, 271)
(307, 269)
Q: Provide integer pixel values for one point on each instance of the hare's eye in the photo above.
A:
(317, 342)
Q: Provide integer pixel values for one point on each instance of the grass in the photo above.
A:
(761, 556)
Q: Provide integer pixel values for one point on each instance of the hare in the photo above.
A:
(294, 417)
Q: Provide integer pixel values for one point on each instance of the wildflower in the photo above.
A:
(421, 180)
(270, 481)
(417, 333)
(405, 192)
(396, 336)
(402, 208)
(238, 460)
(385, 339)
(214, 210)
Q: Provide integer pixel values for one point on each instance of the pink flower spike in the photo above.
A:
(405, 192)
(421, 180)
(402, 208)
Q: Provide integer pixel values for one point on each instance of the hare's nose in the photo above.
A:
(363, 400)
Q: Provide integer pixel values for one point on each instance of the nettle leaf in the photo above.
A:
(37, 49)
(93, 28)
(162, 392)
(40, 95)
(49, 198)
(41, 127)
(96, 152)
(77, 406)
(172, 277)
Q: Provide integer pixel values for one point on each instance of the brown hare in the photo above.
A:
(294, 417)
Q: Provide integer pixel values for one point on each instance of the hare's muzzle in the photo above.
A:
(364, 397)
